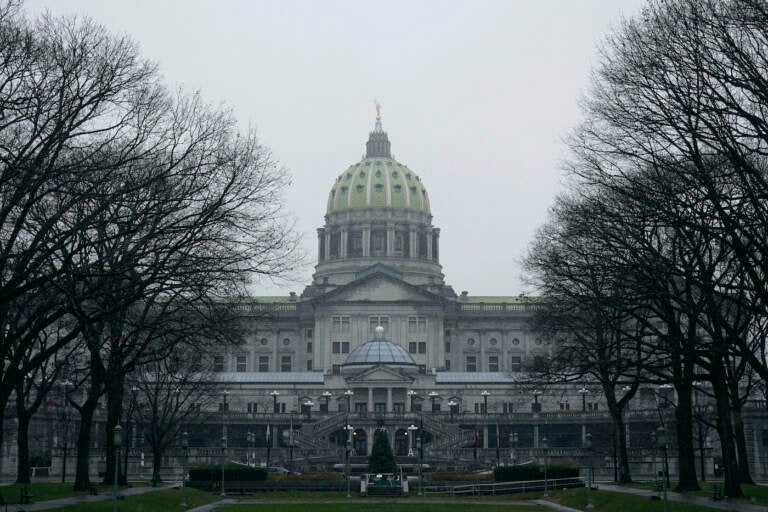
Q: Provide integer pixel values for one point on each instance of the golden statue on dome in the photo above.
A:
(378, 110)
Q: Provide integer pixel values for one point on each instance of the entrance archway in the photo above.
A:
(401, 442)
(360, 442)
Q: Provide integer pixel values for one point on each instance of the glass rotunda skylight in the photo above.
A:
(379, 351)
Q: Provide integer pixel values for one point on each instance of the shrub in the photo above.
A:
(381, 460)
(461, 477)
(309, 477)
(231, 473)
(523, 473)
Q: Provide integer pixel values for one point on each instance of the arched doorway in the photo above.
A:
(360, 442)
(401, 442)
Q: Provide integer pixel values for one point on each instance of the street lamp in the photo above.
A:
(544, 446)
(251, 438)
(131, 433)
(274, 394)
(513, 438)
(411, 434)
(484, 393)
(583, 392)
(420, 448)
(327, 397)
(536, 406)
(661, 443)
(348, 452)
(588, 450)
(185, 449)
(411, 393)
(117, 441)
(223, 461)
(433, 396)
(452, 405)
(308, 407)
(349, 394)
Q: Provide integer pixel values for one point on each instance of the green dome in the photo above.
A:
(378, 183)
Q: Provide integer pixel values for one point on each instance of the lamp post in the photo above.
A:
(308, 408)
(484, 393)
(661, 443)
(274, 394)
(411, 393)
(117, 441)
(583, 392)
(536, 406)
(327, 397)
(185, 449)
(588, 450)
(433, 396)
(544, 446)
(349, 394)
(513, 438)
(251, 439)
(348, 452)
(65, 431)
(420, 448)
(452, 405)
(131, 432)
(411, 434)
(223, 461)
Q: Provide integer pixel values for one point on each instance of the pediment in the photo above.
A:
(380, 287)
(380, 374)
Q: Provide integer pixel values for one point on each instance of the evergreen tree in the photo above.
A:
(381, 460)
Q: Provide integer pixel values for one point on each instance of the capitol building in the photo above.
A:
(378, 339)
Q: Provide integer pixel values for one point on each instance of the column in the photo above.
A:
(485, 436)
(412, 248)
(429, 244)
(343, 244)
(390, 239)
(367, 241)
(370, 400)
(482, 364)
(535, 436)
(327, 245)
(320, 245)
(435, 251)
(389, 399)
(369, 432)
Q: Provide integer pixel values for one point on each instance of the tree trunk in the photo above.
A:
(725, 431)
(22, 444)
(741, 445)
(621, 444)
(82, 469)
(686, 455)
(157, 463)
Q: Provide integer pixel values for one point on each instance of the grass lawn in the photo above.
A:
(382, 507)
(757, 494)
(48, 491)
(158, 501)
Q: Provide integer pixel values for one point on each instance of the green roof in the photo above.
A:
(499, 299)
(378, 182)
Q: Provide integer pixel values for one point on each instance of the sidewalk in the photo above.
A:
(687, 498)
(76, 500)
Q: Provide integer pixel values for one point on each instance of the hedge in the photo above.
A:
(231, 473)
(523, 473)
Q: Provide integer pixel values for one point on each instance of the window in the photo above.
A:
(508, 407)
(380, 407)
(253, 407)
(399, 237)
(241, 363)
(515, 341)
(375, 321)
(412, 347)
(448, 364)
(447, 347)
(379, 241)
(309, 365)
(340, 324)
(286, 341)
(263, 341)
(336, 369)
(471, 341)
(309, 347)
(263, 363)
(516, 364)
(340, 347)
(417, 324)
(361, 407)
(493, 341)
(493, 363)
(423, 369)
(309, 334)
(565, 406)
(218, 363)
(355, 243)
(422, 347)
(285, 363)
(471, 364)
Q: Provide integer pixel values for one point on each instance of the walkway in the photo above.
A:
(687, 498)
(76, 500)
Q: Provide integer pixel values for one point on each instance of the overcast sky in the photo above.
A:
(476, 97)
